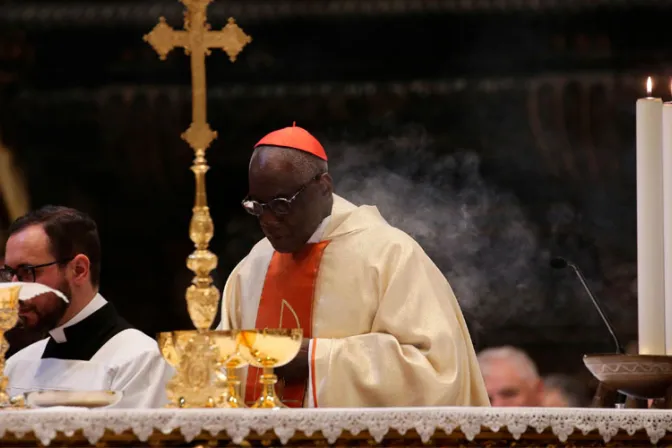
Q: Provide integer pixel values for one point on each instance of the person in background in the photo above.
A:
(564, 391)
(90, 347)
(511, 377)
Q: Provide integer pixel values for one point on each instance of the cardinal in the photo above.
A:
(381, 325)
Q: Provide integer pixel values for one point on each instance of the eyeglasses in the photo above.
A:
(25, 273)
(278, 206)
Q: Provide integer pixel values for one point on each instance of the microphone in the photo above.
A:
(561, 263)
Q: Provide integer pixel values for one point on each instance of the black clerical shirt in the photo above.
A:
(85, 338)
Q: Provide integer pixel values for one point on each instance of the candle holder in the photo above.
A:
(639, 377)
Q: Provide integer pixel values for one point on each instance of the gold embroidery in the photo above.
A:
(282, 309)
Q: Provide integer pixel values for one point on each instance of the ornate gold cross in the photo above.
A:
(197, 39)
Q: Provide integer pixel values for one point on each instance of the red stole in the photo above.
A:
(287, 302)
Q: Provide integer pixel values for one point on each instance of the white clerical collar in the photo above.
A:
(94, 305)
(319, 232)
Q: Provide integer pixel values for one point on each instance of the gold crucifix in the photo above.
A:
(198, 39)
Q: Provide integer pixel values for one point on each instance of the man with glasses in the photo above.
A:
(381, 324)
(89, 347)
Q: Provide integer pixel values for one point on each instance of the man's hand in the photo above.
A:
(297, 370)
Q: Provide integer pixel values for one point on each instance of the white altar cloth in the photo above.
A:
(238, 423)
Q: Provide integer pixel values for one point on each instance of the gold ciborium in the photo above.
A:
(229, 361)
(195, 358)
(9, 316)
(267, 349)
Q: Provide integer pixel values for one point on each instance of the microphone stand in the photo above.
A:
(603, 394)
(605, 319)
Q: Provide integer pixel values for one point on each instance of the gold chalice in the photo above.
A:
(9, 316)
(228, 361)
(268, 349)
(194, 357)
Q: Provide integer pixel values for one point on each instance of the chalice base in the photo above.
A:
(5, 400)
(230, 401)
(268, 399)
(230, 397)
(268, 402)
(9, 403)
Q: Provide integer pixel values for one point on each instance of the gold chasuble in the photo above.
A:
(384, 325)
(287, 302)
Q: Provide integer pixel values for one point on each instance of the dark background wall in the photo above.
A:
(498, 133)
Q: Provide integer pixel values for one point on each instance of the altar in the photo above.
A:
(447, 426)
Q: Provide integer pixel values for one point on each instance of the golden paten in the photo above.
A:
(198, 39)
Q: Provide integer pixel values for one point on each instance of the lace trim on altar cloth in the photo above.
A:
(238, 423)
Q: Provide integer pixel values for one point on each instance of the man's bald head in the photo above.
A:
(280, 173)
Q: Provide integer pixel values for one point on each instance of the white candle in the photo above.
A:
(667, 211)
(650, 242)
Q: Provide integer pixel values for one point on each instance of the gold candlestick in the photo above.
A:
(197, 39)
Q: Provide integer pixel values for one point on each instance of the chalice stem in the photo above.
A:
(268, 398)
(233, 399)
(268, 379)
(233, 382)
(4, 346)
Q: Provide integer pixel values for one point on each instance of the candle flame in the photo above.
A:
(649, 86)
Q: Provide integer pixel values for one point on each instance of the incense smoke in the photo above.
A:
(478, 234)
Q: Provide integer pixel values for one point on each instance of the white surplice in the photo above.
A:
(129, 361)
(387, 329)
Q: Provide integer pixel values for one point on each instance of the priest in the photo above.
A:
(90, 347)
(381, 324)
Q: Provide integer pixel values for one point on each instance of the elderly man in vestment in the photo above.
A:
(381, 324)
(90, 347)
(511, 377)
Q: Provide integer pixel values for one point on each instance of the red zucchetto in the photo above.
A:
(296, 138)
